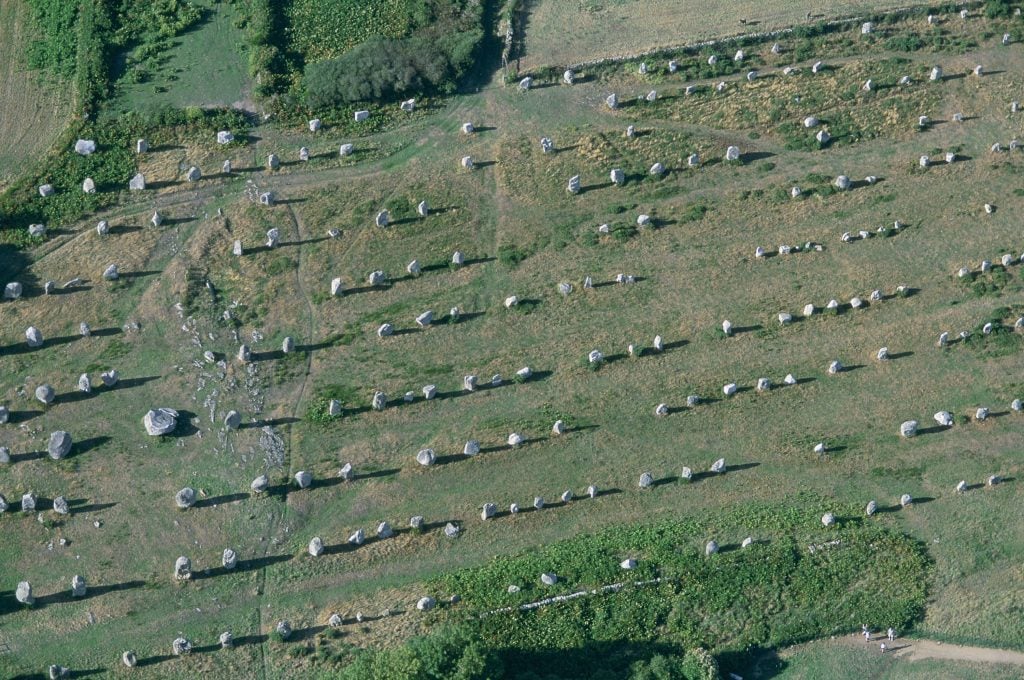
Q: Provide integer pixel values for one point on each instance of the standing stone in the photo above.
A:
(380, 400)
(59, 445)
(458, 259)
(425, 457)
(33, 337)
(429, 391)
(574, 185)
(181, 646)
(548, 579)
(260, 484)
(711, 548)
(357, 537)
(60, 506)
(109, 378)
(617, 176)
(273, 162)
(828, 519)
(23, 593)
(45, 394)
(183, 568)
(488, 511)
(244, 354)
(872, 508)
(226, 639)
(471, 448)
(346, 150)
(906, 500)
(732, 153)
(185, 498)
(229, 559)
(78, 587)
(383, 218)
(160, 421)
(842, 182)
(315, 124)
(111, 273)
(908, 428)
(467, 128)
(467, 162)
(225, 167)
(129, 659)
(28, 502)
(315, 547)
(646, 480)
(303, 479)
(515, 439)
(273, 236)
(936, 73)
(423, 209)
(304, 154)
(84, 329)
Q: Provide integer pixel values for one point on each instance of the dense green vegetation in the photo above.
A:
(798, 582)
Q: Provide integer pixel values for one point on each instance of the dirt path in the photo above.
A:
(916, 649)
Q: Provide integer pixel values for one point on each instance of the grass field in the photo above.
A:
(522, 234)
(205, 67)
(560, 33)
(32, 113)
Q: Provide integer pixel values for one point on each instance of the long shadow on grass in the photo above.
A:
(91, 592)
(220, 500)
(886, 509)
(79, 506)
(77, 448)
(98, 390)
(23, 348)
(242, 566)
(270, 422)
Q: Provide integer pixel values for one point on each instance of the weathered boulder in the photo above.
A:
(260, 484)
(160, 421)
(182, 568)
(23, 593)
(908, 428)
(229, 559)
(45, 394)
(59, 445)
(185, 498)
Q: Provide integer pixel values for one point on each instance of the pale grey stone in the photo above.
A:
(908, 428)
(33, 337)
(380, 401)
(59, 445)
(60, 506)
(828, 519)
(646, 480)
(111, 273)
(425, 457)
(303, 479)
(229, 559)
(45, 394)
(710, 548)
(160, 421)
(183, 568)
(185, 498)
